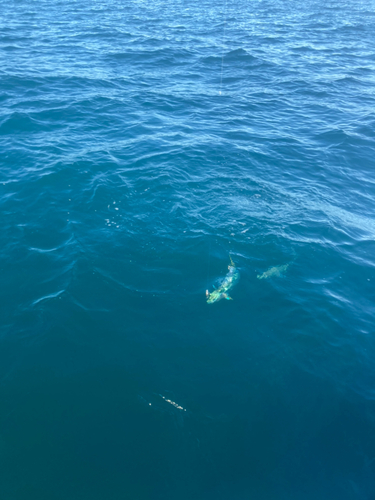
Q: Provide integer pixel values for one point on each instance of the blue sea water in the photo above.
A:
(142, 144)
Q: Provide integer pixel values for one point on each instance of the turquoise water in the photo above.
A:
(142, 144)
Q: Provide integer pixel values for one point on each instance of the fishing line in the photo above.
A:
(209, 264)
(221, 84)
(222, 57)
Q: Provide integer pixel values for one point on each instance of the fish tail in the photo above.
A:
(231, 261)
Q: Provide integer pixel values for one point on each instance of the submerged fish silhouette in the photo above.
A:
(273, 271)
(228, 282)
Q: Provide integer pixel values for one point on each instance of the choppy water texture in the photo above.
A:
(142, 143)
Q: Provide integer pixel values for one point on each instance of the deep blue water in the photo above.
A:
(142, 143)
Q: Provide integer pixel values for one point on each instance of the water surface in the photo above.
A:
(142, 143)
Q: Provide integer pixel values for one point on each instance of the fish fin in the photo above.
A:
(231, 261)
(228, 297)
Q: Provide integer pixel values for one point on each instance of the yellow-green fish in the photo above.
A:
(276, 271)
(228, 282)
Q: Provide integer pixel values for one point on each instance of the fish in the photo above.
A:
(273, 271)
(228, 282)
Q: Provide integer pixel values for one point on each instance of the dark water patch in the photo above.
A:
(178, 446)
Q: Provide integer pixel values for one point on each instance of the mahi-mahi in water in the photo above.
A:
(273, 271)
(228, 282)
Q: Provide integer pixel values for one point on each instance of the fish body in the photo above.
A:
(228, 282)
(276, 271)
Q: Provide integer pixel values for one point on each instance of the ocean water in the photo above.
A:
(143, 144)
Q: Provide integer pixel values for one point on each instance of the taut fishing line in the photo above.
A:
(222, 57)
(221, 83)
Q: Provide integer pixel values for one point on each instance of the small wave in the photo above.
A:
(18, 122)
(48, 297)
